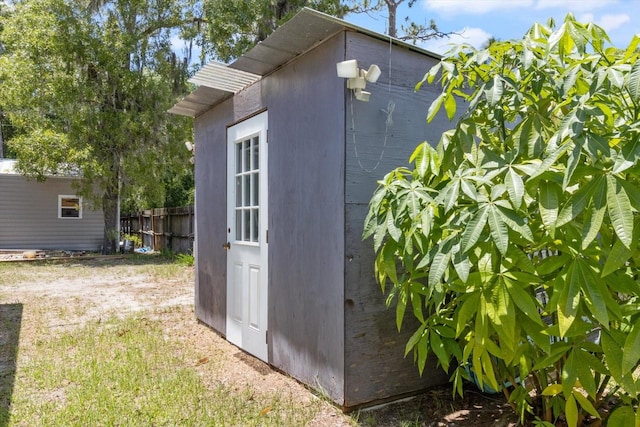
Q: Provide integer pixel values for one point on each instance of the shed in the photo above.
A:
(45, 215)
(287, 159)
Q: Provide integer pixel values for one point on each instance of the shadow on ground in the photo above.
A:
(10, 321)
(93, 259)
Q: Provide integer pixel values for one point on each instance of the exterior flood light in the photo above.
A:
(356, 83)
(357, 79)
(348, 69)
(362, 95)
(373, 73)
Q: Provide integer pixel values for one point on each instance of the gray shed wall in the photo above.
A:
(306, 211)
(374, 349)
(306, 214)
(211, 216)
(29, 216)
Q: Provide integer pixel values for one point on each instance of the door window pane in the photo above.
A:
(247, 189)
(238, 224)
(255, 189)
(255, 158)
(254, 225)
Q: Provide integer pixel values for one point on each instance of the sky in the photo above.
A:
(476, 21)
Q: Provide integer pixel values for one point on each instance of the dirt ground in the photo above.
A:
(98, 292)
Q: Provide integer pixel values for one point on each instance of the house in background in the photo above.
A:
(287, 159)
(45, 215)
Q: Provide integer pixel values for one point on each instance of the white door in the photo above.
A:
(247, 235)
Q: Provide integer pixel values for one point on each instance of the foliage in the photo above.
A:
(515, 242)
(188, 260)
(133, 238)
(410, 30)
(88, 88)
(233, 27)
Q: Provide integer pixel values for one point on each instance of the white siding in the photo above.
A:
(29, 216)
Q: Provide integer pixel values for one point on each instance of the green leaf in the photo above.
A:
(435, 107)
(515, 222)
(613, 353)
(627, 157)
(440, 262)
(551, 159)
(569, 374)
(571, 411)
(498, 229)
(401, 307)
(578, 202)
(515, 187)
(423, 348)
(617, 258)
(421, 156)
(623, 416)
(632, 191)
(594, 219)
(416, 301)
(594, 289)
(552, 390)
(552, 263)
(569, 301)
(523, 300)
(493, 90)
(633, 82)
(572, 164)
(548, 192)
(379, 234)
(414, 338)
(474, 228)
(585, 374)
(462, 265)
(631, 349)
(389, 257)
(487, 367)
(438, 348)
(585, 404)
(620, 211)
(450, 106)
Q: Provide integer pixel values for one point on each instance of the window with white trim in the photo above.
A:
(69, 207)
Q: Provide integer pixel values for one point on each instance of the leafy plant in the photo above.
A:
(187, 260)
(133, 238)
(514, 241)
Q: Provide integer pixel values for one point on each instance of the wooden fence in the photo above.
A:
(162, 228)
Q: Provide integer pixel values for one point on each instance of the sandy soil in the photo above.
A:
(70, 294)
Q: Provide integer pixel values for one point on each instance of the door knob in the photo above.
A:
(226, 246)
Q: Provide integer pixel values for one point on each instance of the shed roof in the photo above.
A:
(307, 29)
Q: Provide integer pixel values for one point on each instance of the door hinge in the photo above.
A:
(267, 237)
(266, 336)
(267, 136)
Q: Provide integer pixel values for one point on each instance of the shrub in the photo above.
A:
(514, 241)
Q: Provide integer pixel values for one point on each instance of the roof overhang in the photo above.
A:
(307, 29)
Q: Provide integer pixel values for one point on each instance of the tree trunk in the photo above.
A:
(392, 7)
(110, 240)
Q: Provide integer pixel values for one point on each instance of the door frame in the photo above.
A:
(251, 337)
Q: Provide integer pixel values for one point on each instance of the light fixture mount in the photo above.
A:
(357, 79)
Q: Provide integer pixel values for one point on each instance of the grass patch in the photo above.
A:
(127, 371)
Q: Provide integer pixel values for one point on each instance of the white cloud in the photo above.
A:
(475, 37)
(607, 22)
(473, 7)
(575, 5)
